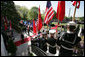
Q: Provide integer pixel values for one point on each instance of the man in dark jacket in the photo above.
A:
(68, 40)
(52, 42)
(42, 42)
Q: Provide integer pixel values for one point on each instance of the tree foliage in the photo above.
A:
(33, 13)
(23, 11)
(8, 10)
(43, 17)
(81, 18)
(27, 14)
(54, 17)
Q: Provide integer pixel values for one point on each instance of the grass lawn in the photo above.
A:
(81, 25)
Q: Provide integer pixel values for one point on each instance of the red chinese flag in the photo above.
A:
(34, 27)
(5, 27)
(5, 23)
(74, 3)
(10, 25)
(6, 20)
(60, 10)
(39, 20)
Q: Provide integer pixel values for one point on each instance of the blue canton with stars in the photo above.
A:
(48, 4)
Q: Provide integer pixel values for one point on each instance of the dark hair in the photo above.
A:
(72, 28)
(44, 24)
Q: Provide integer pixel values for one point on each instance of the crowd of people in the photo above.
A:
(68, 43)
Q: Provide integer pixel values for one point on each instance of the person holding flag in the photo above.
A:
(68, 40)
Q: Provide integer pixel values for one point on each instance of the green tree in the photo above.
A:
(8, 10)
(81, 18)
(23, 11)
(42, 17)
(33, 13)
(54, 17)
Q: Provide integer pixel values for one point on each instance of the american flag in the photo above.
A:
(49, 13)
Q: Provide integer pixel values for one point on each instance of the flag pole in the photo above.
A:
(38, 19)
(43, 26)
(38, 25)
(58, 18)
(58, 13)
(74, 12)
(47, 25)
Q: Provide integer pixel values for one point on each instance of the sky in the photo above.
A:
(68, 5)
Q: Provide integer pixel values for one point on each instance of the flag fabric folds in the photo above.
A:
(5, 26)
(60, 10)
(5, 23)
(74, 3)
(56, 26)
(39, 20)
(34, 26)
(36, 23)
(49, 12)
(6, 20)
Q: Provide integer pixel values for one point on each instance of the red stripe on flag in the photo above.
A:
(50, 18)
(48, 10)
(50, 14)
(47, 13)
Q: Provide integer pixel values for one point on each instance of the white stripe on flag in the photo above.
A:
(47, 10)
(48, 15)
